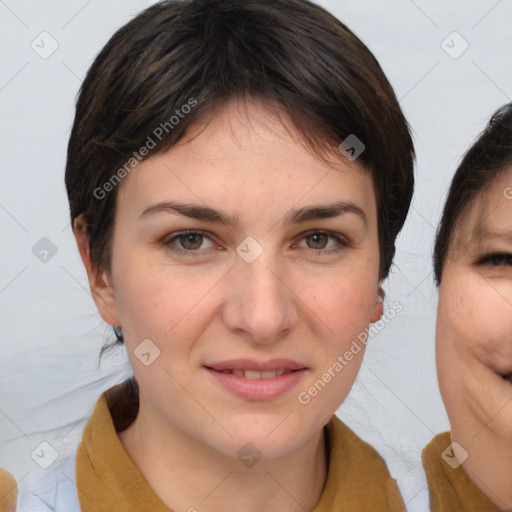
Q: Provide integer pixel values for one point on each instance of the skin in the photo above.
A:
(294, 301)
(474, 340)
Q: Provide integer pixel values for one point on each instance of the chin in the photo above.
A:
(263, 441)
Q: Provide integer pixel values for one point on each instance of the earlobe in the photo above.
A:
(99, 282)
(378, 307)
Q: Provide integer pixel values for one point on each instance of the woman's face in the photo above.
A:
(474, 339)
(278, 273)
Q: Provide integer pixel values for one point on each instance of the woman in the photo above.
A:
(237, 175)
(470, 468)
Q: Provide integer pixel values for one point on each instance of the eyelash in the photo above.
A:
(169, 239)
(499, 258)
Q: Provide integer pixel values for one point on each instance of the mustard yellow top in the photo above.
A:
(107, 479)
(8, 492)
(451, 490)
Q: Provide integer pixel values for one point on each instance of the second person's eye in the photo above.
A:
(496, 260)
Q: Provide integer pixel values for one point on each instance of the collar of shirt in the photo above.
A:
(450, 488)
(107, 479)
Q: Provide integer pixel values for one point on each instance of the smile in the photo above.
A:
(255, 374)
(253, 380)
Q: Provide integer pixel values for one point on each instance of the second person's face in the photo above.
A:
(474, 339)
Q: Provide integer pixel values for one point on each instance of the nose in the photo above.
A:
(260, 305)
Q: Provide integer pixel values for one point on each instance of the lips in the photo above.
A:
(251, 369)
(257, 380)
(255, 374)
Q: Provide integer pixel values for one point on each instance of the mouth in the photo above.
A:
(251, 369)
(255, 374)
(257, 380)
(508, 377)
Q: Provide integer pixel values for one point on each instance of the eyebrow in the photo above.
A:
(296, 216)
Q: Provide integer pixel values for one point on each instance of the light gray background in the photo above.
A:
(50, 331)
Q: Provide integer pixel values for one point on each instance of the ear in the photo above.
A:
(99, 282)
(378, 308)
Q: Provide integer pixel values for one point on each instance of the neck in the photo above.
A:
(189, 475)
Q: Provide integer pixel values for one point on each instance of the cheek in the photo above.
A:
(154, 299)
(474, 324)
(346, 302)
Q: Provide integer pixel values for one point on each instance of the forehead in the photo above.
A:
(241, 155)
(489, 215)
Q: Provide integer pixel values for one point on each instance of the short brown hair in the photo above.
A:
(292, 54)
(487, 157)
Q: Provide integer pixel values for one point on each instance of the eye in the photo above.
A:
(187, 242)
(496, 260)
(196, 242)
(318, 241)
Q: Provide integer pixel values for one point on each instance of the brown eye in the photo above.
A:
(188, 242)
(318, 240)
(324, 242)
(191, 241)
